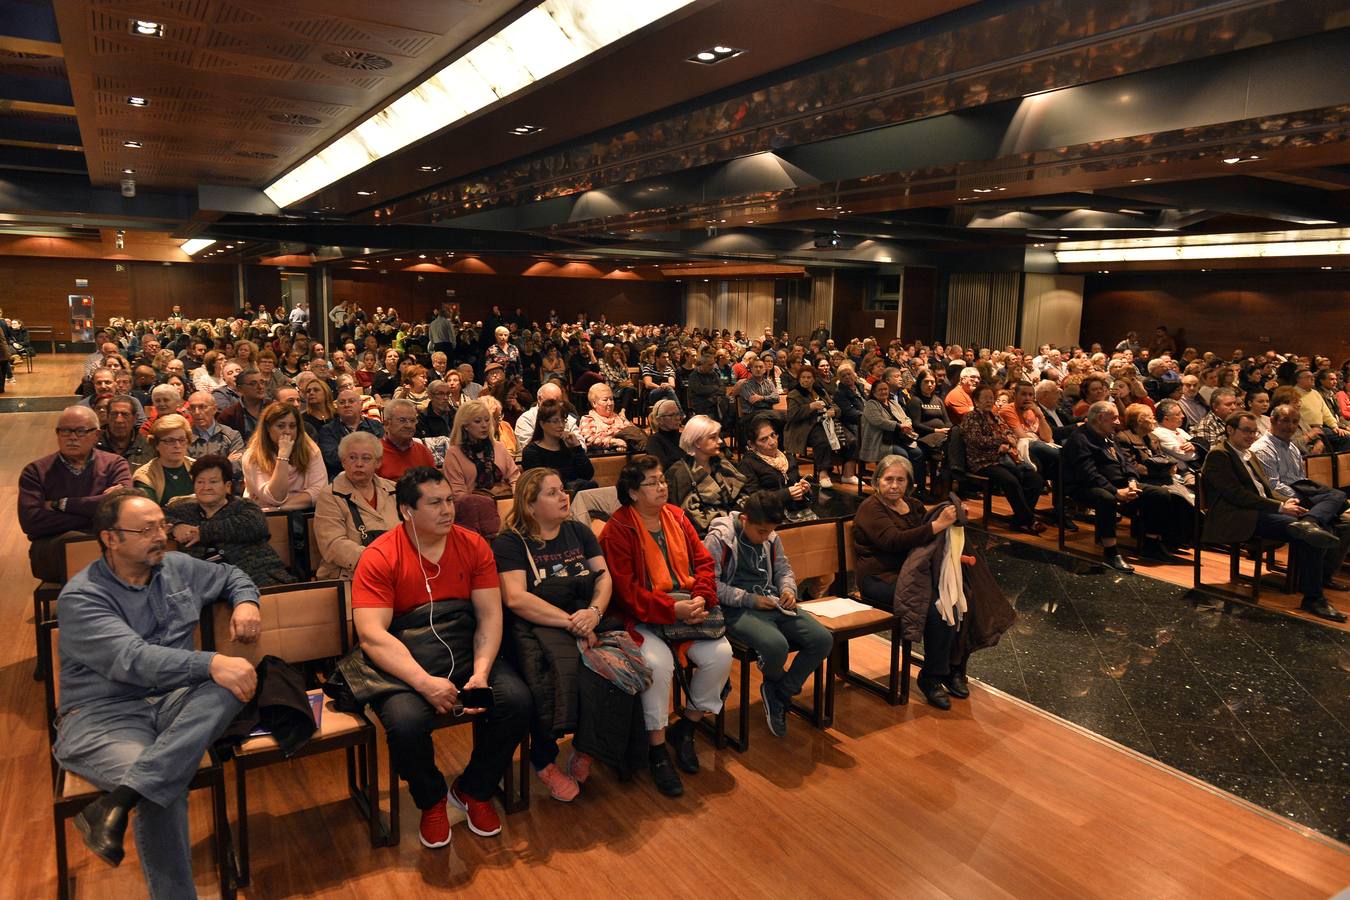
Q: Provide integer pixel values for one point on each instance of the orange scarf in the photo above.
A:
(657, 569)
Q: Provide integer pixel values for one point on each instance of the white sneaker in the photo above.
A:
(849, 479)
(825, 482)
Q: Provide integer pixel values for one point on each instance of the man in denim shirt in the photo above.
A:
(139, 705)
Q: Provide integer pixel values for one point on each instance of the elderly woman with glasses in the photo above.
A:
(663, 441)
(166, 476)
(664, 576)
(216, 526)
(355, 509)
(704, 483)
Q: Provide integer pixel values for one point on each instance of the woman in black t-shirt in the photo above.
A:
(551, 447)
(555, 584)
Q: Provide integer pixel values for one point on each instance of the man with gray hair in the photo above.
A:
(402, 451)
(525, 424)
(59, 493)
(961, 399)
(1098, 474)
(104, 381)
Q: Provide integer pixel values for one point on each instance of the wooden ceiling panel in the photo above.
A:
(256, 85)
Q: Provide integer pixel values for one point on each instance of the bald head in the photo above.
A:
(549, 391)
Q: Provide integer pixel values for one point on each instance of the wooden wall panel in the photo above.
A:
(35, 289)
(620, 299)
(1300, 311)
(851, 319)
(918, 303)
(262, 284)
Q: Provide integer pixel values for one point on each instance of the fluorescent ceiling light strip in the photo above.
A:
(1228, 251)
(1194, 240)
(195, 246)
(547, 39)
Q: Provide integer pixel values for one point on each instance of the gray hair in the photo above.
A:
(970, 372)
(437, 385)
(399, 403)
(165, 391)
(1166, 408)
(696, 430)
(358, 440)
(1100, 409)
(890, 461)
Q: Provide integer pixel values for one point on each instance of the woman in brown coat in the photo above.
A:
(889, 524)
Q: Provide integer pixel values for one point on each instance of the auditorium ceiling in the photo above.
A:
(825, 132)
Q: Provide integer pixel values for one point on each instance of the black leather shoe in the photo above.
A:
(935, 692)
(103, 826)
(664, 776)
(680, 737)
(1152, 548)
(1318, 606)
(1112, 559)
(1336, 586)
(957, 685)
(1307, 531)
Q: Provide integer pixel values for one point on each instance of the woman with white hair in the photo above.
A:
(606, 428)
(355, 509)
(704, 484)
(504, 353)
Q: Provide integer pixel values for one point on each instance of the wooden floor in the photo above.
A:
(993, 799)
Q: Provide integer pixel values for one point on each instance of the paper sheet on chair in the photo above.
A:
(834, 607)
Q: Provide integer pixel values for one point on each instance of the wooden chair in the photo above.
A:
(302, 623)
(279, 535)
(1341, 471)
(1259, 549)
(79, 551)
(71, 793)
(960, 477)
(504, 506)
(607, 469)
(1322, 468)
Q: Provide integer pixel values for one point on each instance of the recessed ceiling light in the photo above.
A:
(137, 101)
(714, 55)
(365, 193)
(128, 171)
(525, 130)
(421, 256)
(1326, 268)
(398, 259)
(1233, 159)
(983, 190)
(428, 168)
(146, 28)
(132, 145)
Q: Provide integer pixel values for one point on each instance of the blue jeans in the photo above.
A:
(772, 635)
(154, 746)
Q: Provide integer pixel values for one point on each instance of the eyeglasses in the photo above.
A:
(660, 482)
(148, 530)
(74, 432)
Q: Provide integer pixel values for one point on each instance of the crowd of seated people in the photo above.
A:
(244, 416)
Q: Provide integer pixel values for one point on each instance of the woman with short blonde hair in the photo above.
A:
(166, 476)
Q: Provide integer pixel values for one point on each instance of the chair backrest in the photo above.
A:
(50, 633)
(79, 554)
(312, 540)
(1322, 469)
(300, 622)
(504, 506)
(812, 549)
(956, 451)
(279, 536)
(850, 554)
(607, 469)
(1341, 470)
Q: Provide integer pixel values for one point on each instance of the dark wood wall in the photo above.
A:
(1300, 311)
(851, 319)
(415, 295)
(36, 289)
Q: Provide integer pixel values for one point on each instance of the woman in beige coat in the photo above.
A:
(355, 509)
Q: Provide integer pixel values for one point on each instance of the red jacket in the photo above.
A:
(622, 542)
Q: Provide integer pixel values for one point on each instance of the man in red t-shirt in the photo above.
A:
(429, 559)
(401, 452)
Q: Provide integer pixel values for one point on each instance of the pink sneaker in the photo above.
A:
(559, 784)
(579, 766)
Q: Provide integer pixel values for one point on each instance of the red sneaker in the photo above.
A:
(559, 784)
(434, 829)
(479, 814)
(579, 767)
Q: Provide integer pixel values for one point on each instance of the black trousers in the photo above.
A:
(407, 718)
(1156, 511)
(822, 454)
(938, 636)
(1021, 484)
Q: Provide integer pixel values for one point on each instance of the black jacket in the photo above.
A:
(280, 705)
(1092, 461)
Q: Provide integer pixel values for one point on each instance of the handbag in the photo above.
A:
(439, 635)
(367, 536)
(710, 629)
